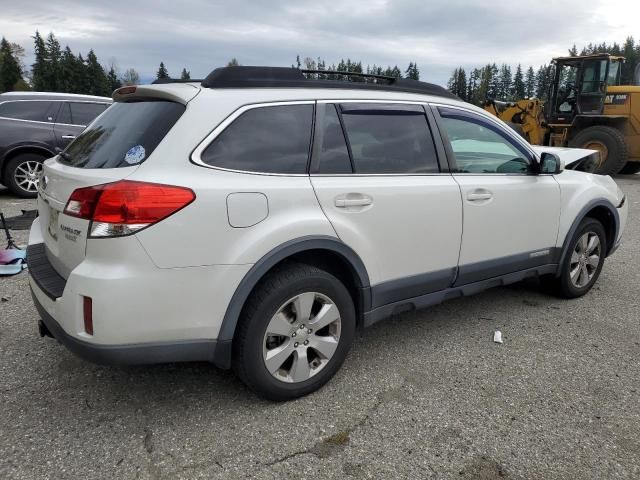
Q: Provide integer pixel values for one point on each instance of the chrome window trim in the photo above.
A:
(52, 100)
(196, 155)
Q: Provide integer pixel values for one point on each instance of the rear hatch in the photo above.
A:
(110, 149)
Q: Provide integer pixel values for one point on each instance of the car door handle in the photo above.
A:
(68, 137)
(479, 195)
(353, 200)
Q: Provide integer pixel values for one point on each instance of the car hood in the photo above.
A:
(581, 159)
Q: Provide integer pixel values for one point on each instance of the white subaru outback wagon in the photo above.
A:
(255, 219)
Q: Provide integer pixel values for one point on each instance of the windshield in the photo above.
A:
(124, 135)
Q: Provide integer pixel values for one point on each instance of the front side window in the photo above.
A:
(273, 139)
(386, 138)
(480, 147)
(37, 111)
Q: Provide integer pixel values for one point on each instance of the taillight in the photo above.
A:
(125, 207)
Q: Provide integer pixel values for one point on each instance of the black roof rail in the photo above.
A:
(161, 81)
(287, 77)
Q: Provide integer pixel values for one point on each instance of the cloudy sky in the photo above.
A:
(438, 34)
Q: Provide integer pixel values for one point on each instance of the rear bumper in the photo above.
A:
(136, 354)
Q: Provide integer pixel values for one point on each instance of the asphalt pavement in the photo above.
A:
(423, 395)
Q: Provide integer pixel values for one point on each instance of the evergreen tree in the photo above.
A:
(519, 89)
(68, 72)
(98, 82)
(505, 82)
(573, 51)
(495, 85)
(39, 69)
(112, 79)
(185, 75)
(54, 54)
(412, 71)
(530, 83)
(162, 72)
(234, 62)
(10, 72)
(632, 56)
(472, 86)
(81, 75)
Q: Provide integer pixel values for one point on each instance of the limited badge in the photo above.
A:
(135, 155)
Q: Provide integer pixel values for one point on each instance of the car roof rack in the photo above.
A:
(286, 77)
(162, 81)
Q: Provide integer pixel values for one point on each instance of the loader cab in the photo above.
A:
(580, 86)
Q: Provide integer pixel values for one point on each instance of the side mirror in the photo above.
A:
(551, 163)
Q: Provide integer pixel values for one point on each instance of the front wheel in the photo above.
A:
(630, 168)
(294, 332)
(583, 262)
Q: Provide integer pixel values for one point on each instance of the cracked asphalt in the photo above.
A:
(423, 395)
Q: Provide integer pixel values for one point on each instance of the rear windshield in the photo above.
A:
(125, 135)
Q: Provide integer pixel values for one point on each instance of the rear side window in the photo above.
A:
(125, 135)
(333, 155)
(38, 111)
(80, 113)
(389, 138)
(265, 139)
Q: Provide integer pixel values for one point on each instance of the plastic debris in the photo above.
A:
(497, 336)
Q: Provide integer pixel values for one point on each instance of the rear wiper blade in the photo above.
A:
(63, 154)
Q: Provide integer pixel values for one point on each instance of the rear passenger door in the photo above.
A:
(73, 118)
(375, 171)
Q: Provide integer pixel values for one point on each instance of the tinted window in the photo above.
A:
(264, 139)
(85, 113)
(125, 135)
(333, 156)
(38, 111)
(389, 139)
(480, 147)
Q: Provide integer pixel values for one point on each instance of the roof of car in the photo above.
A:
(51, 96)
(248, 77)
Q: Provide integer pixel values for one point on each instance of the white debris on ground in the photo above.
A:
(497, 336)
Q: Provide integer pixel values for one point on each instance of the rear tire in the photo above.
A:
(630, 168)
(580, 268)
(613, 142)
(21, 174)
(274, 350)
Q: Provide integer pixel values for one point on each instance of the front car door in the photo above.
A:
(375, 171)
(511, 214)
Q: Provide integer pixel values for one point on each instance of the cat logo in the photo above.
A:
(619, 99)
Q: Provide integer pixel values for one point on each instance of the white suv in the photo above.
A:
(257, 218)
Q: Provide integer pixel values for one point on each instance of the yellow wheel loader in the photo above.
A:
(587, 108)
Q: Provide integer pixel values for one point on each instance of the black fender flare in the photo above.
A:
(222, 354)
(576, 223)
(42, 148)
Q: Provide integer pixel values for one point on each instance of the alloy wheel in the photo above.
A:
(302, 337)
(27, 175)
(585, 259)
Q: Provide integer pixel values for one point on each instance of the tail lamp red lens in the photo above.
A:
(87, 310)
(124, 207)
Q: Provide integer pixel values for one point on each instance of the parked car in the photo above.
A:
(257, 218)
(32, 126)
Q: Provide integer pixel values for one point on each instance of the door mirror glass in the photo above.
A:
(551, 163)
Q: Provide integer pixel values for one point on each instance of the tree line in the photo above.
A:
(490, 81)
(353, 66)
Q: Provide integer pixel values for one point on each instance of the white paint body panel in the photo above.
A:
(413, 225)
(522, 215)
